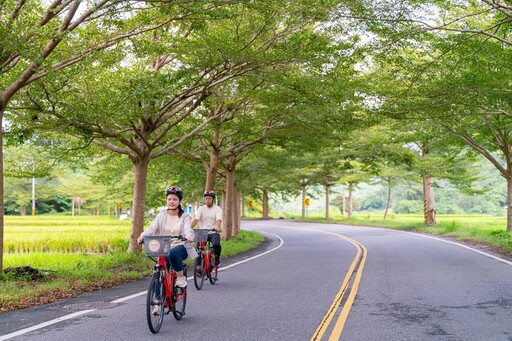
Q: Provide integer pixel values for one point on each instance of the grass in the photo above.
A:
(483, 229)
(73, 255)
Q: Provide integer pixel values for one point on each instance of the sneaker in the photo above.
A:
(181, 282)
(217, 261)
(155, 301)
(156, 310)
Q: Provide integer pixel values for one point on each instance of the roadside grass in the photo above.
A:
(482, 229)
(73, 255)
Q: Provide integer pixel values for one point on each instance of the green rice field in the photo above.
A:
(73, 255)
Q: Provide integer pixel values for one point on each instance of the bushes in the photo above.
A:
(408, 207)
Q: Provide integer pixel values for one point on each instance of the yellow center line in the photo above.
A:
(338, 328)
(326, 321)
(340, 323)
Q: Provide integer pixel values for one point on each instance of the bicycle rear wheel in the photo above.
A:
(199, 274)
(179, 300)
(155, 304)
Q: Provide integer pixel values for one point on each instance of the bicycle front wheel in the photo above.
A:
(155, 304)
(179, 300)
(199, 272)
(213, 274)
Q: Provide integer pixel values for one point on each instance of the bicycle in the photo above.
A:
(162, 291)
(205, 261)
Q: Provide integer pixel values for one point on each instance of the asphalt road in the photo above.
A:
(308, 282)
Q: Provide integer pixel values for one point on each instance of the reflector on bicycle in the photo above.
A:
(157, 246)
(201, 235)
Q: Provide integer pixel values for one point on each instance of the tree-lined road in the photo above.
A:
(409, 287)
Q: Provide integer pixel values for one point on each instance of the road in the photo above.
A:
(308, 282)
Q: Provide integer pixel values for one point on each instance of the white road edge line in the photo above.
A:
(122, 299)
(44, 324)
(463, 246)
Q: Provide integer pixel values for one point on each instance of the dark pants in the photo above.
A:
(215, 239)
(176, 257)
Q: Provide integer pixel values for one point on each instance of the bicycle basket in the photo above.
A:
(201, 235)
(157, 246)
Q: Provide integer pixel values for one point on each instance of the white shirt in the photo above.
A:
(208, 216)
(173, 228)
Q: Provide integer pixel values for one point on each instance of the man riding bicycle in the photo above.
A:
(209, 217)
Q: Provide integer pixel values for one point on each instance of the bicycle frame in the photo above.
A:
(169, 278)
(204, 267)
(162, 293)
(207, 254)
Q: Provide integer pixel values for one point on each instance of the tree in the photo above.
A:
(480, 114)
(382, 154)
(146, 112)
(454, 76)
(28, 161)
(40, 38)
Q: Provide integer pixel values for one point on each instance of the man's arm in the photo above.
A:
(194, 222)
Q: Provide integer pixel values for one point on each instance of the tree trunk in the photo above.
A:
(343, 204)
(327, 187)
(265, 204)
(242, 203)
(211, 170)
(349, 203)
(239, 204)
(236, 211)
(303, 201)
(227, 231)
(509, 200)
(223, 201)
(429, 210)
(388, 200)
(139, 200)
(2, 110)
(33, 196)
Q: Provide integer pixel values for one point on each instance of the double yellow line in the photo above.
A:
(357, 268)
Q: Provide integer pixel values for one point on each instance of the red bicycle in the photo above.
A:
(205, 262)
(163, 295)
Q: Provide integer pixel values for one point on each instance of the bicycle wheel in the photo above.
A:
(155, 304)
(179, 300)
(213, 274)
(199, 275)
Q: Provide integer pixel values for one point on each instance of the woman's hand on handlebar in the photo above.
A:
(140, 240)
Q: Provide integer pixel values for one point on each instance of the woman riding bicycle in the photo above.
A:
(174, 221)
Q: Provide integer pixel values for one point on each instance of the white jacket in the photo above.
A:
(157, 229)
